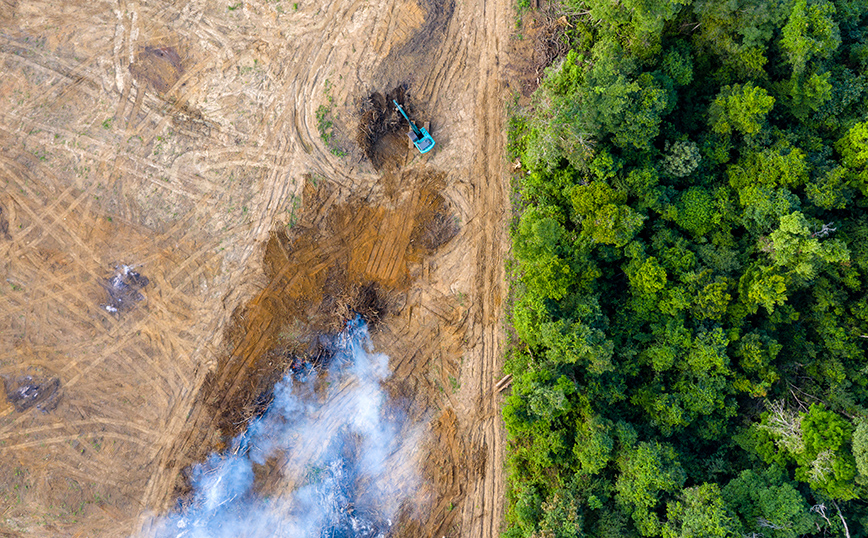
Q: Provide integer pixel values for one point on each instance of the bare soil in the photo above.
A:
(187, 202)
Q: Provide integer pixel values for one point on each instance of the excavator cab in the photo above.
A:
(420, 136)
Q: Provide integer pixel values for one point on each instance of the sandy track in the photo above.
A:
(483, 512)
(176, 136)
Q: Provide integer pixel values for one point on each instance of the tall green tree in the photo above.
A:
(740, 108)
(767, 502)
(700, 512)
(647, 473)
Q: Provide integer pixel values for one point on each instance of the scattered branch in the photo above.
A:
(822, 466)
(824, 231)
(763, 522)
(786, 426)
(821, 510)
(846, 528)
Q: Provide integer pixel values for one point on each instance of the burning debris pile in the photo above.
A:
(124, 289)
(365, 300)
(339, 457)
(336, 493)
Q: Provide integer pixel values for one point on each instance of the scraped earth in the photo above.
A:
(192, 192)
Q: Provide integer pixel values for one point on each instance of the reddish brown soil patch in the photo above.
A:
(341, 259)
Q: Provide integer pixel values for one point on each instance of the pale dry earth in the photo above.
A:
(177, 137)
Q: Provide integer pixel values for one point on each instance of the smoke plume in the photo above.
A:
(345, 459)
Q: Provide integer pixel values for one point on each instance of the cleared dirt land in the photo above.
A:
(224, 152)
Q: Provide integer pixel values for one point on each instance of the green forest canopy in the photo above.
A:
(690, 274)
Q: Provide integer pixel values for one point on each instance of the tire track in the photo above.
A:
(99, 421)
(483, 512)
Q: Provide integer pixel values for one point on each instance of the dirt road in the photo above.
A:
(212, 148)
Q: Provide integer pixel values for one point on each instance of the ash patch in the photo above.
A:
(381, 128)
(27, 391)
(124, 290)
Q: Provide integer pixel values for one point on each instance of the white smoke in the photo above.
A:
(345, 458)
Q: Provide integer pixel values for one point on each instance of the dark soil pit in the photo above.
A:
(159, 67)
(390, 151)
(382, 130)
(435, 226)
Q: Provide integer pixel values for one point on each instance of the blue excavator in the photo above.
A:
(420, 136)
